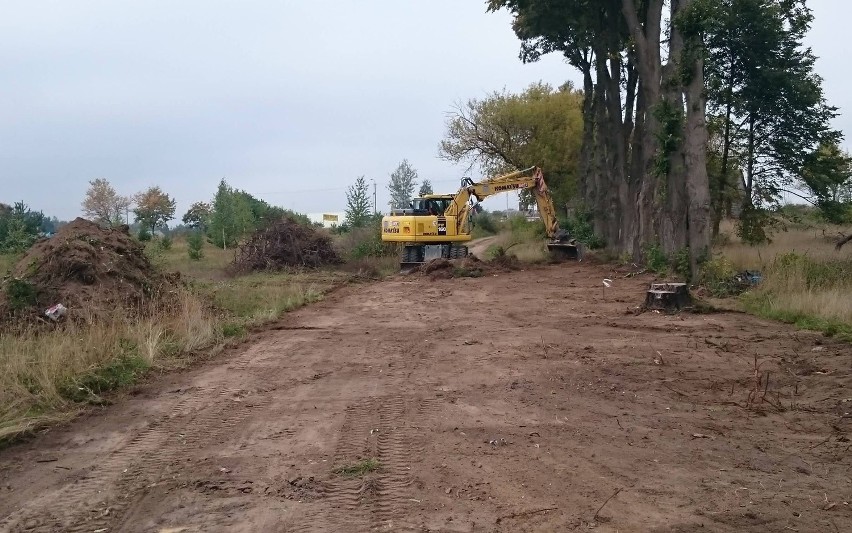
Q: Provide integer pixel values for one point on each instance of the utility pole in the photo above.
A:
(374, 196)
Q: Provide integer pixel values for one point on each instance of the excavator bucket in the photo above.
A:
(561, 251)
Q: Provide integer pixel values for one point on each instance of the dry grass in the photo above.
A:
(806, 281)
(526, 246)
(815, 241)
(42, 374)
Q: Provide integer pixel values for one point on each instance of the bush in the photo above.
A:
(484, 224)
(359, 243)
(195, 245)
(656, 259)
(166, 242)
(718, 276)
(579, 226)
(20, 294)
(144, 235)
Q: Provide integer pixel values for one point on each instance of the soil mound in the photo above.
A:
(469, 267)
(91, 270)
(282, 244)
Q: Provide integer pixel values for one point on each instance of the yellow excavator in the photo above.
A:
(439, 225)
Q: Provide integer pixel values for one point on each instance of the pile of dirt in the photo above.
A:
(282, 244)
(91, 270)
(469, 267)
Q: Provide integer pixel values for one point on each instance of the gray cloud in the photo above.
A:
(288, 100)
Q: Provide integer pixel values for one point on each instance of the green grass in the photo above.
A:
(358, 469)
(117, 373)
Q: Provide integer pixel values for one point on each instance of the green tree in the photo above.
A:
(20, 226)
(231, 218)
(401, 186)
(762, 87)
(425, 188)
(827, 176)
(195, 245)
(358, 204)
(153, 208)
(541, 126)
(198, 215)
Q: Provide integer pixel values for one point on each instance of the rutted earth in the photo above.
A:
(528, 401)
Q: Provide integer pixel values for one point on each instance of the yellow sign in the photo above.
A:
(329, 218)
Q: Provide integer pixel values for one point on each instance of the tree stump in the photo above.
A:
(668, 297)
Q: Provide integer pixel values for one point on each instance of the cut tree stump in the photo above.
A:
(668, 297)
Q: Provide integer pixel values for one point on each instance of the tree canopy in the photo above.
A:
(154, 208)
(358, 204)
(401, 186)
(103, 204)
(541, 126)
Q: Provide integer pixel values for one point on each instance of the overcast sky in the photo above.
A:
(289, 100)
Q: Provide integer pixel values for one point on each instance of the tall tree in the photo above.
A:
(643, 161)
(231, 218)
(401, 186)
(358, 203)
(425, 188)
(198, 215)
(153, 208)
(103, 204)
(762, 86)
(541, 126)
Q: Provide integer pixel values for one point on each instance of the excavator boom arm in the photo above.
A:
(531, 179)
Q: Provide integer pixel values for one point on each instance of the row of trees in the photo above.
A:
(403, 182)
(685, 105)
(233, 214)
(152, 207)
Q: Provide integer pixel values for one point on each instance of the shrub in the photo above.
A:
(144, 235)
(656, 259)
(195, 245)
(20, 294)
(166, 242)
(484, 224)
(579, 226)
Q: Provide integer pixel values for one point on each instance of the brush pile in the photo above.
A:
(285, 244)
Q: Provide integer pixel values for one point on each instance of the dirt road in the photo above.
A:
(523, 402)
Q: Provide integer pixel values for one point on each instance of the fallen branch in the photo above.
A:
(842, 241)
(526, 513)
(606, 502)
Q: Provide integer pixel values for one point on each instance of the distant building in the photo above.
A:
(329, 219)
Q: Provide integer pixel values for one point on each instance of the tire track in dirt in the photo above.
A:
(391, 430)
(57, 508)
(210, 426)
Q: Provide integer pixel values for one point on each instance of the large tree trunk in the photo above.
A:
(646, 36)
(697, 181)
(587, 180)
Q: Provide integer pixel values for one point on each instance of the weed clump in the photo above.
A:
(358, 469)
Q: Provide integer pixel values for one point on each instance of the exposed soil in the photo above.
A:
(91, 270)
(522, 401)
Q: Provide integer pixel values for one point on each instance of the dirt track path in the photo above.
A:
(584, 403)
